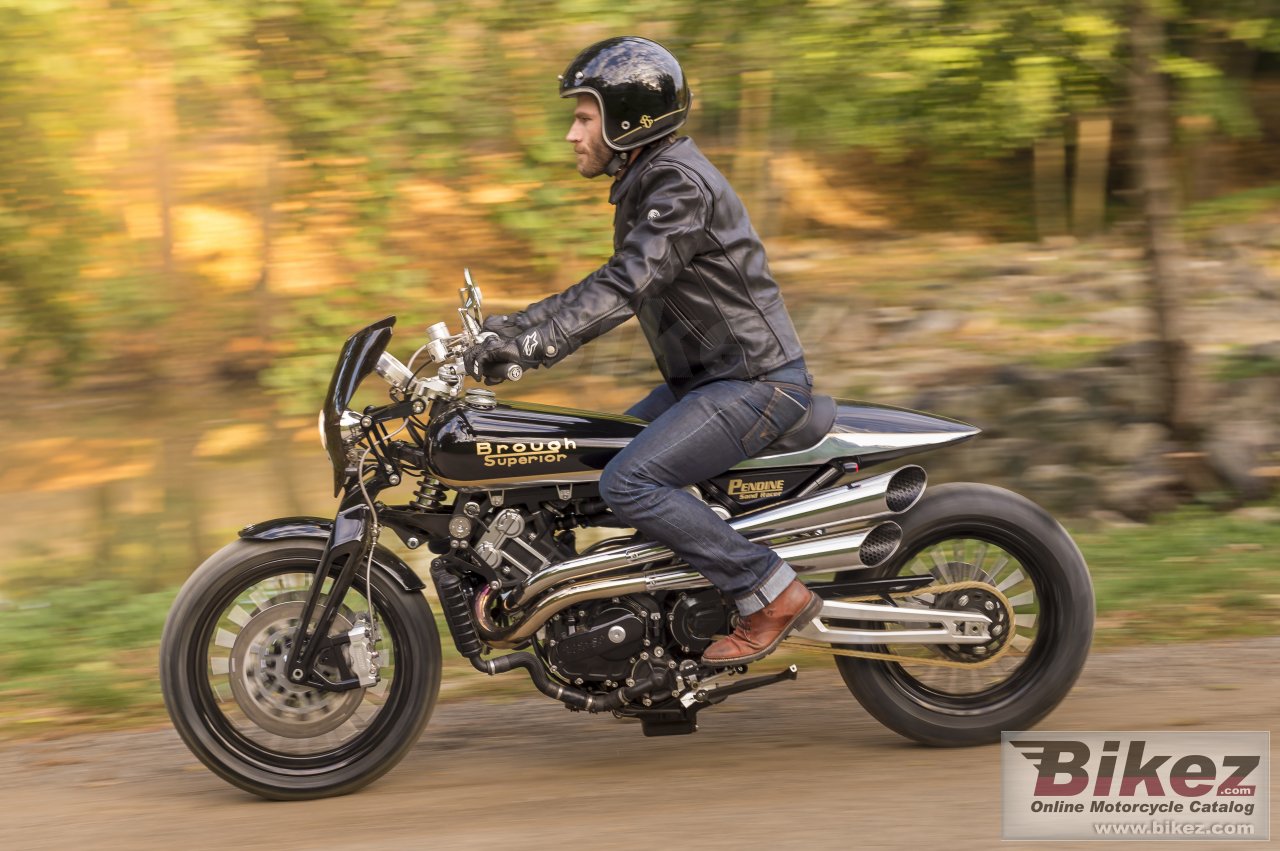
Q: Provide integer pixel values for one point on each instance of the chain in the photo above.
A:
(821, 647)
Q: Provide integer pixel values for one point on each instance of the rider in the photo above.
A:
(689, 265)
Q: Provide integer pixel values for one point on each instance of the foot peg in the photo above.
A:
(709, 694)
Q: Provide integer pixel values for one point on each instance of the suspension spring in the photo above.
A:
(429, 495)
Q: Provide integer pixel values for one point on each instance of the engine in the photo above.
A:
(509, 544)
(604, 641)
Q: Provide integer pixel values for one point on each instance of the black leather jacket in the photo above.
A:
(688, 263)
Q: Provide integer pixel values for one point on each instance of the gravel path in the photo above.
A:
(790, 766)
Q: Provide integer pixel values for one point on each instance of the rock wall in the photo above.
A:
(1084, 442)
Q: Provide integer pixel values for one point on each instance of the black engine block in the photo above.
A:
(602, 641)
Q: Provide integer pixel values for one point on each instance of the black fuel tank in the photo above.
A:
(479, 443)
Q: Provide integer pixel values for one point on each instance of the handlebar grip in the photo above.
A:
(503, 371)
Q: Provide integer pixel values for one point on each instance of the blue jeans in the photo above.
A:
(702, 435)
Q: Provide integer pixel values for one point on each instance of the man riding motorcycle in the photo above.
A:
(689, 265)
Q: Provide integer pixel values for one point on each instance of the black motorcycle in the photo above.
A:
(302, 660)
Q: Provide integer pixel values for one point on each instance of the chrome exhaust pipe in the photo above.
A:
(848, 507)
(838, 508)
(864, 548)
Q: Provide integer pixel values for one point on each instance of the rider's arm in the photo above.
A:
(670, 229)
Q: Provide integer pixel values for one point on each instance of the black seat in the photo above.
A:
(816, 423)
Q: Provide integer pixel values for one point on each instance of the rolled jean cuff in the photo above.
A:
(767, 591)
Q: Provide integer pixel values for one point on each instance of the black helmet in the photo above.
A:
(639, 85)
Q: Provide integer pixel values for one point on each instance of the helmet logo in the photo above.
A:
(646, 122)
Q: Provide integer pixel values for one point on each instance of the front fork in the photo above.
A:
(351, 541)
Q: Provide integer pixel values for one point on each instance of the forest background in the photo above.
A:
(1058, 220)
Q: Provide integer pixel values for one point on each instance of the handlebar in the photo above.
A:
(503, 371)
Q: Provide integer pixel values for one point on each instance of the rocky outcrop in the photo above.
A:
(1083, 440)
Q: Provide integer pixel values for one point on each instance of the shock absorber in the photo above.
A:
(429, 495)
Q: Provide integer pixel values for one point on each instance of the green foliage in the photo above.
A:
(111, 110)
(1242, 365)
(43, 222)
(946, 75)
(1232, 208)
(1183, 578)
(88, 650)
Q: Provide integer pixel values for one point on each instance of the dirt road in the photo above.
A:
(790, 766)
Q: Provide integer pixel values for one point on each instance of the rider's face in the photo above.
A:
(587, 138)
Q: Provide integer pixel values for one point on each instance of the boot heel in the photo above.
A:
(806, 616)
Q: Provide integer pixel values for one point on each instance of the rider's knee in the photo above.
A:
(620, 490)
(612, 488)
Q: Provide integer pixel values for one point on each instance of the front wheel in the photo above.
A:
(221, 670)
(970, 533)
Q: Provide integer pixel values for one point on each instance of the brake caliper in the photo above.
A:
(364, 638)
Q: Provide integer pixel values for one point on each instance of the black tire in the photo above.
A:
(260, 733)
(910, 699)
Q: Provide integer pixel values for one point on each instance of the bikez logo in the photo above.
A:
(755, 490)
(1135, 785)
(516, 454)
(1065, 769)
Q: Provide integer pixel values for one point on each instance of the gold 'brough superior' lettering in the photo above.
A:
(755, 490)
(524, 452)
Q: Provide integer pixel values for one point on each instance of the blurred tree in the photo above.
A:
(1153, 147)
(45, 220)
(344, 108)
(1207, 94)
(1213, 50)
(955, 78)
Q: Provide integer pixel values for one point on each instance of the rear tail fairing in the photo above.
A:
(870, 434)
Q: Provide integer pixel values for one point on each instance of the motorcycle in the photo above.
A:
(302, 660)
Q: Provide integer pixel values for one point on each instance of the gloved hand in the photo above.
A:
(488, 359)
(506, 325)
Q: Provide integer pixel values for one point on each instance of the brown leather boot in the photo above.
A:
(757, 635)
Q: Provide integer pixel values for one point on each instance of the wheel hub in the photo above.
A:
(261, 682)
(984, 602)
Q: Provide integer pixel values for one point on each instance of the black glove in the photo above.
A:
(507, 325)
(489, 359)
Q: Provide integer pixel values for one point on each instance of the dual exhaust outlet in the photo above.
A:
(842, 527)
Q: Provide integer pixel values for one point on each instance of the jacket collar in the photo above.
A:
(623, 184)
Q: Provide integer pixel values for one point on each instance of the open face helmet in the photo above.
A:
(639, 86)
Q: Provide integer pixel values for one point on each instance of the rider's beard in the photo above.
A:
(592, 161)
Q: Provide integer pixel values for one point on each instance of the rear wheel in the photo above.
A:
(222, 674)
(969, 533)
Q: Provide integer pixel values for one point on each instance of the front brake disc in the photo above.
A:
(263, 690)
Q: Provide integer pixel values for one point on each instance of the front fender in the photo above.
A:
(321, 528)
